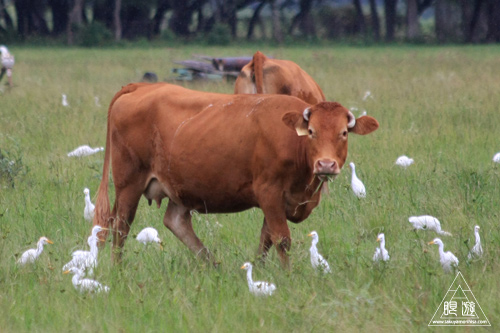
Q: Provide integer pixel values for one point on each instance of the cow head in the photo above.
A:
(326, 126)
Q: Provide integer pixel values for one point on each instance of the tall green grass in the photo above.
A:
(437, 105)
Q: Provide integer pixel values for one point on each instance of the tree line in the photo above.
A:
(467, 21)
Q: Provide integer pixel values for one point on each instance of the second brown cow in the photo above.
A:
(217, 153)
(263, 75)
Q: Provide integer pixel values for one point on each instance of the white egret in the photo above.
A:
(381, 252)
(96, 100)
(427, 222)
(29, 256)
(84, 151)
(496, 158)
(65, 100)
(477, 250)
(258, 288)
(86, 260)
(317, 261)
(404, 161)
(85, 285)
(447, 259)
(357, 185)
(149, 235)
(367, 94)
(88, 211)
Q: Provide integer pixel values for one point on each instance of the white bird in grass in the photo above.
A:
(86, 260)
(427, 222)
(258, 288)
(84, 151)
(357, 185)
(88, 211)
(149, 235)
(85, 285)
(367, 94)
(317, 261)
(380, 252)
(96, 100)
(404, 161)
(496, 158)
(65, 100)
(477, 250)
(447, 259)
(29, 256)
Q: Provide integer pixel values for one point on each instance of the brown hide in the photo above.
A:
(217, 153)
(271, 76)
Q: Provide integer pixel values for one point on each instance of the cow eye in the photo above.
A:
(344, 133)
(310, 132)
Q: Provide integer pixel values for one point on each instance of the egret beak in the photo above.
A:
(49, 241)
(161, 246)
(101, 240)
(378, 239)
(66, 272)
(242, 267)
(431, 242)
(310, 235)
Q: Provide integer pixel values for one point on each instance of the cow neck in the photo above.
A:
(308, 183)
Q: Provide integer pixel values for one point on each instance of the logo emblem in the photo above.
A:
(459, 307)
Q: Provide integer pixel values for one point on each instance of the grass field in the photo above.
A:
(437, 105)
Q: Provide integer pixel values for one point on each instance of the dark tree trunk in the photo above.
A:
(470, 26)
(276, 22)
(493, 10)
(103, 12)
(255, 18)
(360, 16)
(375, 20)
(412, 24)
(60, 10)
(303, 19)
(75, 20)
(135, 20)
(181, 18)
(390, 19)
(30, 18)
(9, 24)
(162, 8)
(117, 22)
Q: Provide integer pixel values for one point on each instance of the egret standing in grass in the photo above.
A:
(258, 288)
(357, 185)
(85, 285)
(496, 158)
(381, 252)
(88, 211)
(149, 235)
(404, 161)
(317, 261)
(86, 260)
(64, 101)
(477, 250)
(447, 259)
(427, 222)
(29, 256)
(84, 150)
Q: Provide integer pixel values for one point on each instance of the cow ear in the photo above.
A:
(364, 125)
(297, 122)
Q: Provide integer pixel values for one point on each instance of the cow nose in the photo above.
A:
(326, 166)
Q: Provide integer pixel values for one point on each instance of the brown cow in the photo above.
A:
(217, 153)
(270, 76)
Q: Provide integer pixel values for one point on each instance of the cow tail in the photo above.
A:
(102, 207)
(258, 70)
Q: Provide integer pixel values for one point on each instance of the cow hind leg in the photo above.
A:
(122, 217)
(265, 241)
(178, 220)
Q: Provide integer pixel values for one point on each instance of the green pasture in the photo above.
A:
(439, 106)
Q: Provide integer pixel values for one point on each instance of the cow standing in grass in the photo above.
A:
(217, 153)
(272, 76)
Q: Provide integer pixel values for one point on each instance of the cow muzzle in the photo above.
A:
(326, 167)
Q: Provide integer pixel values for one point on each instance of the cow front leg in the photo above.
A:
(178, 220)
(265, 241)
(276, 228)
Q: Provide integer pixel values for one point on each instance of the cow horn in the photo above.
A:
(352, 120)
(306, 113)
